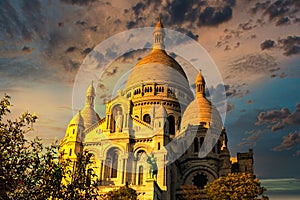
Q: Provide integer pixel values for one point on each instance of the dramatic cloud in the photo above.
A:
(282, 21)
(291, 45)
(188, 33)
(246, 68)
(201, 13)
(12, 20)
(267, 44)
(211, 16)
(277, 119)
(229, 34)
(289, 141)
(247, 26)
(277, 9)
(252, 137)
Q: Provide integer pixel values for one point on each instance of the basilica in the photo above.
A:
(158, 136)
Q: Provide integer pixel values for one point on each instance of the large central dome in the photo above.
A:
(160, 56)
(157, 66)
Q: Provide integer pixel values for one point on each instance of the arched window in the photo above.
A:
(147, 118)
(171, 121)
(196, 145)
(200, 180)
(140, 177)
(112, 161)
(114, 165)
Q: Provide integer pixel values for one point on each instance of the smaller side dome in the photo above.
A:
(90, 117)
(200, 111)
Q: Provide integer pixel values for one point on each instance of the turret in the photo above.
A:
(90, 117)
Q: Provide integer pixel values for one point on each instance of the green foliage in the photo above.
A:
(83, 184)
(123, 193)
(31, 171)
(191, 192)
(235, 186)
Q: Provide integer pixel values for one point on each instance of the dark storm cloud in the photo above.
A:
(290, 45)
(211, 16)
(180, 10)
(282, 21)
(188, 33)
(71, 65)
(70, 49)
(278, 119)
(13, 24)
(87, 51)
(131, 24)
(260, 6)
(202, 13)
(289, 141)
(267, 44)
(279, 10)
(138, 8)
(78, 2)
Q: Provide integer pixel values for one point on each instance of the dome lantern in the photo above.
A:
(200, 85)
(159, 35)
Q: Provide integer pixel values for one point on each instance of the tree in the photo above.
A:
(191, 192)
(235, 186)
(123, 193)
(16, 158)
(31, 171)
(83, 180)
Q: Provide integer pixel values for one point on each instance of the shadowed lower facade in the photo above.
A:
(157, 136)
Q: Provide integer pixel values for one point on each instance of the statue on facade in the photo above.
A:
(151, 160)
(119, 120)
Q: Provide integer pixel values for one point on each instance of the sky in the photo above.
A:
(255, 45)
